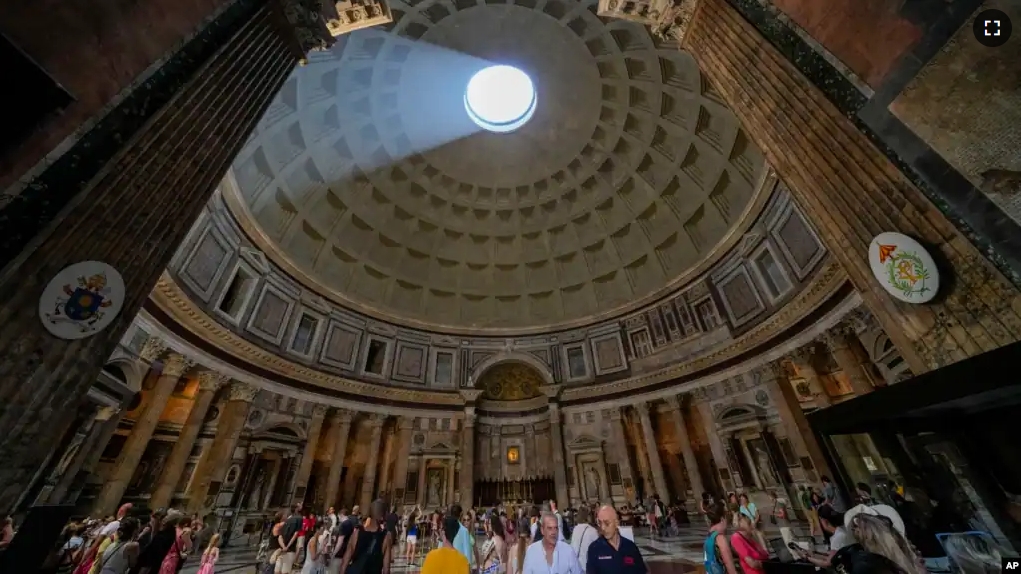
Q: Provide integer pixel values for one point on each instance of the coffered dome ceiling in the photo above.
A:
(627, 178)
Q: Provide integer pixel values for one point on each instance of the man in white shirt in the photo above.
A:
(331, 519)
(832, 522)
(551, 555)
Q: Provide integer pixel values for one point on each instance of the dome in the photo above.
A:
(368, 180)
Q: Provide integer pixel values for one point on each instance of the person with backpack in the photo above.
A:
(717, 555)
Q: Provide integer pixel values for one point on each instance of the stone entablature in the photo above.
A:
(239, 290)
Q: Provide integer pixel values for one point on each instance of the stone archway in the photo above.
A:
(511, 357)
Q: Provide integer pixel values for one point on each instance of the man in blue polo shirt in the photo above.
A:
(612, 553)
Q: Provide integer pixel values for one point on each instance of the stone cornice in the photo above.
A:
(242, 216)
(169, 298)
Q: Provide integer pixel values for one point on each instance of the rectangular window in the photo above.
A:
(375, 357)
(774, 278)
(576, 363)
(303, 334)
(236, 294)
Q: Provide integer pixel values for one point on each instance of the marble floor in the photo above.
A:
(665, 555)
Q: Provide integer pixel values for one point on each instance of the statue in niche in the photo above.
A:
(765, 468)
(591, 482)
(434, 488)
(256, 492)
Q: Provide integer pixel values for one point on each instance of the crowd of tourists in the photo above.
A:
(123, 544)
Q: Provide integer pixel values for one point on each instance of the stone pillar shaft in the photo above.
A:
(404, 428)
(308, 456)
(839, 344)
(468, 460)
(216, 459)
(420, 495)
(852, 192)
(127, 461)
(796, 426)
(656, 466)
(276, 467)
(450, 483)
(369, 480)
(340, 426)
(622, 456)
(163, 494)
(716, 447)
(557, 444)
(132, 216)
(384, 464)
(687, 453)
(101, 431)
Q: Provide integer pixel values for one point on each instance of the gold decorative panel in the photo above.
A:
(510, 382)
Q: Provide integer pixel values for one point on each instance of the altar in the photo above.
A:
(532, 490)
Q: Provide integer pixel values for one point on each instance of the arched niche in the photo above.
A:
(510, 380)
(488, 363)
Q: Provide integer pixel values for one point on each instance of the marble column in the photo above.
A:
(423, 465)
(369, 480)
(838, 341)
(215, 461)
(209, 383)
(687, 453)
(557, 444)
(308, 456)
(796, 427)
(404, 428)
(716, 447)
(384, 465)
(620, 450)
(852, 192)
(102, 429)
(468, 458)
(128, 206)
(656, 466)
(174, 366)
(340, 428)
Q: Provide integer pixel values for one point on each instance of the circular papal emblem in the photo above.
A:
(904, 268)
(82, 300)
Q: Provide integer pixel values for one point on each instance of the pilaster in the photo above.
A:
(838, 341)
(621, 452)
(468, 458)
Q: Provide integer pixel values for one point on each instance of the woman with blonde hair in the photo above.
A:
(210, 555)
(876, 535)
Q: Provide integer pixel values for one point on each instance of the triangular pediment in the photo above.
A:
(440, 446)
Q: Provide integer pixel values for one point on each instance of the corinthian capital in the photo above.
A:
(152, 349)
(176, 365)
(319, 411)
(243, 392)
(211, 381)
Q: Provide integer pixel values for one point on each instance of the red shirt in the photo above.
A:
(748, 547)
(308, 524)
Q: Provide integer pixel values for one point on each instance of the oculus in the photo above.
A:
(500, 98)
